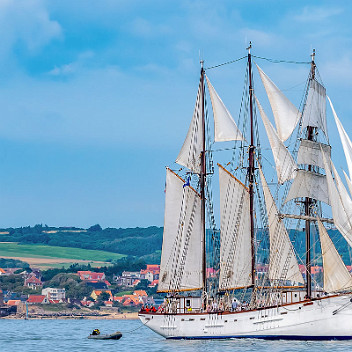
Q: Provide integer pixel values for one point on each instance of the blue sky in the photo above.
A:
(96, 96)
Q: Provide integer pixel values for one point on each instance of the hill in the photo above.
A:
(144, 243)
(138, 242)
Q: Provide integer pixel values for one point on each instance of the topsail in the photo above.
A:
(225, 128)
(285, 113)
(190, 152)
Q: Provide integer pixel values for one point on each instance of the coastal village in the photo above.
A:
(104, 298)
(101, 300)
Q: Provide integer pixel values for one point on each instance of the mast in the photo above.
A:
(251, 167)
(203, 171)
(308, 202)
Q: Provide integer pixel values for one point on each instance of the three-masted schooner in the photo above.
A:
(239, 292)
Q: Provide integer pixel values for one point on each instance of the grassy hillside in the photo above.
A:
(131, 241)
(43, 251)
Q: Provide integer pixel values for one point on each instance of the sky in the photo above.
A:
(96, 96)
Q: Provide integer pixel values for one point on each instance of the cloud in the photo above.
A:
(69, 69)
(146, 29)
(26, 22)
(317, 14)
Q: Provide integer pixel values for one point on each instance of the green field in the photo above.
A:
(13, 249)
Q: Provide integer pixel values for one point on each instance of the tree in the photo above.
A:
(95, 228)
(104, 296)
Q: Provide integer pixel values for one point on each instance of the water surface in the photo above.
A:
(71, 335)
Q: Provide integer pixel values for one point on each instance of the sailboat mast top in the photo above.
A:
(202, 181)
(251, 167)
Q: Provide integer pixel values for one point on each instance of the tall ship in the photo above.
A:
(272, 270)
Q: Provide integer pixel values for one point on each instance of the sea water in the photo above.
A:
(71, 335)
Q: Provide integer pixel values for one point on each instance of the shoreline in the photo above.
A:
(113, 316)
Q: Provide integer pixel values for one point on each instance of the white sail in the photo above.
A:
(345, 140)
(349, 183)
(309, 184)
(235, 232)
(285, 113)
(336, 275)
(285, 165)
(225, 128)
(314, 113)
(310, 153)
(283, 263)
(192, 147)
(181, 259)
(341, 204)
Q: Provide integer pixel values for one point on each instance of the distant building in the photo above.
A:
(151, 273)
(37, 299)
(138, 298)
(2, 271)
(33, 282)
(128, 278)
(55, 294)
(85, 303)
(91, 276)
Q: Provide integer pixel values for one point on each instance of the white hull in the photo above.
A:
(325, 318)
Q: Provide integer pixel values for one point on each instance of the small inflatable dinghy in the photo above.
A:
(114, 336)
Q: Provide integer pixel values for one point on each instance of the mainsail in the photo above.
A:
(235, 231)
(285, 165)
(285, 113)
(181, 259)
(310, 153)
(314, 114)
(225, 128)
(336, 275)
(190, 152)
(309, 184)
(283, 263)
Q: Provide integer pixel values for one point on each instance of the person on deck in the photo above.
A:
(234, 305)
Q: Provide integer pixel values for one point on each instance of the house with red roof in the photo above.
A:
(93, 279)
(91, 276)
(154, 283)
(33, 282)
(151, 273)
(37, 299)
(86, 303)
(13, 302)
(139, 297)
(131, 300)
(2, 271)
(140, 293)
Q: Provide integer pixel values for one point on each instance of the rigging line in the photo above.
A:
(225, 63)
(223, 149)
(282, 61)
(128, 332)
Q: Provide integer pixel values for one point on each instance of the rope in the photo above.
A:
(342, 307)
(282, 61)
(128, 332)
(262, 58)
(226, 63)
